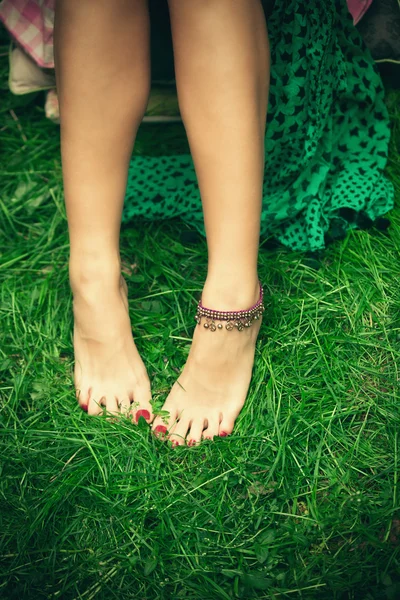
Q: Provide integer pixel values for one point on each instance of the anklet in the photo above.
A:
(236, 318)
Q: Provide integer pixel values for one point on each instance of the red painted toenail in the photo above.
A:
(142, 413)
(208, 438)
(84, 407)
(160, 429)
(223, 434)
(191, 442)
(174, 443)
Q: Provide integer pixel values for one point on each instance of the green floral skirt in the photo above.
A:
(326, 142)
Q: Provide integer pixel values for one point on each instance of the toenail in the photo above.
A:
(160, 429)
(84, 407)
(142, 413)
(174, 443)
(191, 442)
(208, 438)
(223, 434)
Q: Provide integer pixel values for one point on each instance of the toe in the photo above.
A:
(143, 412)
(195, 432)
(141, 398)
(141, 409)
(162, 425)
(141, 392)
(95, 406)
(112, 405)
(226, 426)
(211, 430)
(83, 399)
(178, 432)
(124, 405)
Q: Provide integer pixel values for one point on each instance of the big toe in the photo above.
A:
(83, 397)
(146, 413)
(141, 401)
(162, 425)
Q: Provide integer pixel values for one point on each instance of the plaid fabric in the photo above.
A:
(358, 8)
(30, 22)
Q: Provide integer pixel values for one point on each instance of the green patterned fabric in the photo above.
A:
(326, 142)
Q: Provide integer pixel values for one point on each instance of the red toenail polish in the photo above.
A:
(191, 442)
(142, 413)
(160, 429)
(84, 407)
(223, 434)
(174, 443)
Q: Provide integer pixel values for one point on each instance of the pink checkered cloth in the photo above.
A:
(358, 8)
(31, 23)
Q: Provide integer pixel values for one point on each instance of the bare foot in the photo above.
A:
(209, 394)
(108, 369)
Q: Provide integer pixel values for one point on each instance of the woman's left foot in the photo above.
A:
(209, 394)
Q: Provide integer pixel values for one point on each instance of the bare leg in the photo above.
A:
(222, 68)
(103, 81)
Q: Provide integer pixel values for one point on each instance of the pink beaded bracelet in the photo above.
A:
(235, 318)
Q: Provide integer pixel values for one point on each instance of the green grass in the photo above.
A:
(302, 501)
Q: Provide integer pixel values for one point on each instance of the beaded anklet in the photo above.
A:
(237, 318)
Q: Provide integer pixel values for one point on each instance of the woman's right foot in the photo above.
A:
(109, 372)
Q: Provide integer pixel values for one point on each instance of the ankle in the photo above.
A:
(88, 270)
(231, 293)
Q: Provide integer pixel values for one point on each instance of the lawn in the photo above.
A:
(302, 501)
